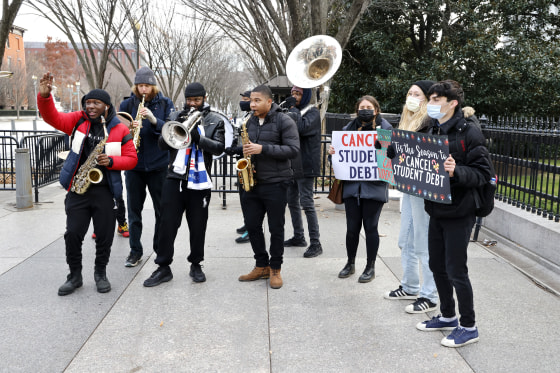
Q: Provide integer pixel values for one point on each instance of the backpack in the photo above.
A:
(483, 195)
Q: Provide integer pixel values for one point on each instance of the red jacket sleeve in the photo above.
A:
(128, 158)
(64, 122)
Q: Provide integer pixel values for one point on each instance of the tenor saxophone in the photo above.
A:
(245, 169)
(136, 130)
(87, 173)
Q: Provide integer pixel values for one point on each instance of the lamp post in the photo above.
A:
(77, 84)
(34, 77)
(71, 90)
(136, 32)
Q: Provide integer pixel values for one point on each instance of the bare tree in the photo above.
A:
(91, 27)
(9, 12)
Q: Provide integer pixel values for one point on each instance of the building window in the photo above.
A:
(8, 42)
(9, 62)
(18, 44)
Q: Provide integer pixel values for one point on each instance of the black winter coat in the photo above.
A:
(308, 161)
(212, 143)
(467, 147)
(279, 138)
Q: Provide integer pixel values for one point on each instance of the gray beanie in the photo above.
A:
(195, 90)
(145, 75)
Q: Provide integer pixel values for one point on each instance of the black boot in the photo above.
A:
(348, 270)
(100, 276)
(73, 281)
(369, 273)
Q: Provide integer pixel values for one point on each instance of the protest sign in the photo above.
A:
(385, 165)
(354, 157)
(418, 167)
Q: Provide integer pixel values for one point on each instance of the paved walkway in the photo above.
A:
(315, 323)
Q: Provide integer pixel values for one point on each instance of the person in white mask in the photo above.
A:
(413, 235)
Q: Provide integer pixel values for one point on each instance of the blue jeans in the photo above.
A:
(136, 183)
(413, 241)
(300, 197)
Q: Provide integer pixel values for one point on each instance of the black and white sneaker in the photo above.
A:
(133, 260)
(421, 305)
(399, 294)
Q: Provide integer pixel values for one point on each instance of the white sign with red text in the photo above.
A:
(354, 157)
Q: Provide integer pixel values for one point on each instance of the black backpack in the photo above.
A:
(483, 195)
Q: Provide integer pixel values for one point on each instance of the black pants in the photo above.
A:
(448, 240)
(175, 200)
(269, 199)
(358, 212)
(96, 204)
(121, 211)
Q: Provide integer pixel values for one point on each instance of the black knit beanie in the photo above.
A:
(145, 75)
(97, 94)
(424, 85)
(195, 90)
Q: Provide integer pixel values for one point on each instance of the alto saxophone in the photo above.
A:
(89, 174)
(136, 130)
(245, 169)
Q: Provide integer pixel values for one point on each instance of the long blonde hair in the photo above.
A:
(411, 121)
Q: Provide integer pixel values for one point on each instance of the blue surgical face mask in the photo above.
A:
(434, 111)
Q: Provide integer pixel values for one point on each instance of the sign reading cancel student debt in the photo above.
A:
(418, 167)
(354, 157)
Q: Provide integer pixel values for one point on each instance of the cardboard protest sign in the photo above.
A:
(385, 165)
(418, 167)
(354, 157)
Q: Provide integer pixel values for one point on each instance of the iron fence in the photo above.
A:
(525, 152)
(8, 145)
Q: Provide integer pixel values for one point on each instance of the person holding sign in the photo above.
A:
(413, 235)
(363, 200)
(450, 226)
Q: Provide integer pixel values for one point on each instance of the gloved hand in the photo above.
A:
(391, 152)
(377, 144)
(150, 116)
(195, 136)
(289, 102)
(234, 150)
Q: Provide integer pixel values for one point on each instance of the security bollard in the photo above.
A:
(24, 196)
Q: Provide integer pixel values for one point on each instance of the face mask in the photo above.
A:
(413, 104)
(434, 111)
(245, 105)
(365, 115)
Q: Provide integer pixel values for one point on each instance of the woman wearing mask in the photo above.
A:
(363, 200)
(413, 236)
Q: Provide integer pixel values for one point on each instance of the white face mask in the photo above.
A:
(434, 111)
(413, 104)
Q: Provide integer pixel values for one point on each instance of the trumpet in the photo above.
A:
(177, 134)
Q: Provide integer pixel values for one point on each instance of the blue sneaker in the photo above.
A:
(460, 337)
(436, 324)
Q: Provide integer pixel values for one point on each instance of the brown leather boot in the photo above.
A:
(275, 279)
(256, 273)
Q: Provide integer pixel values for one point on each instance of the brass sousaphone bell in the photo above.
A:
(314, 61)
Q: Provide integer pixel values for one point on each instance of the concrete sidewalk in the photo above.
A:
(315, 323)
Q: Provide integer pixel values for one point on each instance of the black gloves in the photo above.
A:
(289, 102)
(195, 136)
(391, 152)
(234, 150)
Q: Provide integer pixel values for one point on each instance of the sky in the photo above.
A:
(38, 28)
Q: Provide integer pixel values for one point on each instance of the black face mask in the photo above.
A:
(245, 105)
(365, 115)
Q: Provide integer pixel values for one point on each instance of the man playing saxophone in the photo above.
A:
(145, 102)
(93, 198)
(187, 188)
(273, 141)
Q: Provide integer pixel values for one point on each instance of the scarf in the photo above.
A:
(197, 178)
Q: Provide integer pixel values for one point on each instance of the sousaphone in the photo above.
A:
(314, 61)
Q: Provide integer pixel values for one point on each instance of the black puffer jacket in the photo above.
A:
(466, 146)
(279, 138)
(212, 143)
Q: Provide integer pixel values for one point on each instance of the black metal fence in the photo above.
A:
(526, 152)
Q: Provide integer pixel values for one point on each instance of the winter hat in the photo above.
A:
(424, 85)
(245, 94)
(194, 90)
(97, 94)
(145, 75)
(298, 89)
